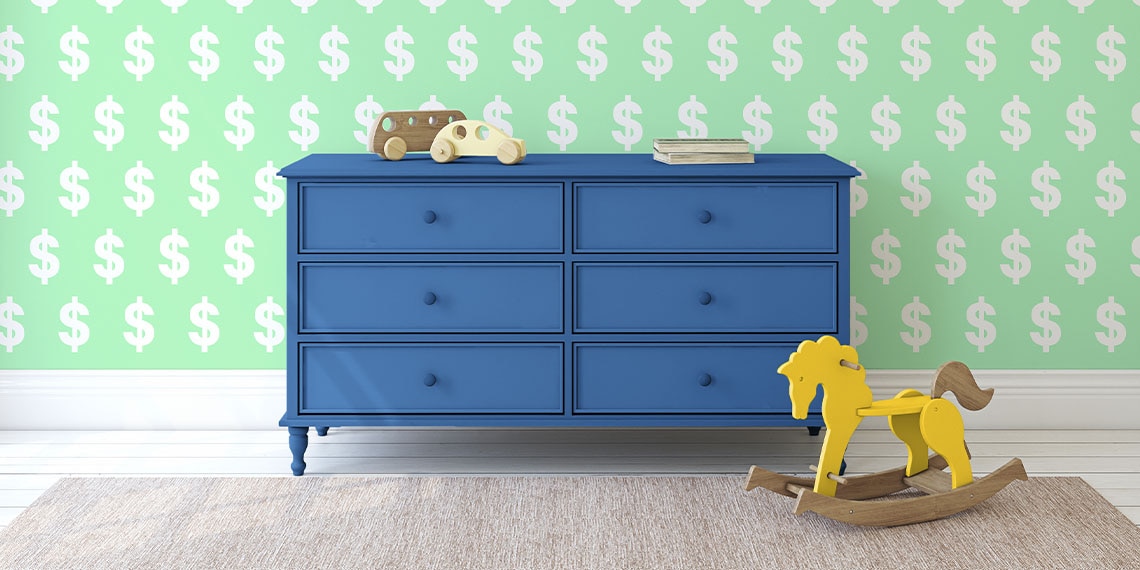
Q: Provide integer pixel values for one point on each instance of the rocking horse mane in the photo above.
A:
(956, 377)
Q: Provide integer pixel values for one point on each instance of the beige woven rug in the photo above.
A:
(533, 523)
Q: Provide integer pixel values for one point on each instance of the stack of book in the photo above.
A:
(702, 151)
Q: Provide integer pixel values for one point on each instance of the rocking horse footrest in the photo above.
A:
(930, 481)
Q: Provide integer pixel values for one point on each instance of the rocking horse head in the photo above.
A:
(826, 362)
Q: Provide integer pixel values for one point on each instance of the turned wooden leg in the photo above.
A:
(322, 431)
(298, 442)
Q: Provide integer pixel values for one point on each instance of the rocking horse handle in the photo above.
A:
(956, 377)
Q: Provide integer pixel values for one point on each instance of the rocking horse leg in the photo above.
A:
(906, 428)
(942, 427)
(831, 458)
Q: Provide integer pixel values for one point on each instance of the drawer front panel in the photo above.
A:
(706, 297)
(430, 378)
(674, 378)
(430, 297)
(430, 217)
(720, 217)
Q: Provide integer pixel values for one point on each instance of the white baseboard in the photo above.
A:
(255, 399)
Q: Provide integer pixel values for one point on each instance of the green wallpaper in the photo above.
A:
(141, 225)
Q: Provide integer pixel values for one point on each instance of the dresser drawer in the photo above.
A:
(460, 217)
(430, 297)
(680, 378)
(706, 297)
(477, 378)
(716, 217)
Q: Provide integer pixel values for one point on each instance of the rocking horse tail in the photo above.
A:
(956, 377)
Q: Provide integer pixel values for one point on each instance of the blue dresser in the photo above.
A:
(567, 290)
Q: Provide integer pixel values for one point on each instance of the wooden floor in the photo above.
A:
(30, 462)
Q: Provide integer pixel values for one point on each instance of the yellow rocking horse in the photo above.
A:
(922, 422)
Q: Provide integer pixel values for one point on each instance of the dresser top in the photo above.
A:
(361, 165)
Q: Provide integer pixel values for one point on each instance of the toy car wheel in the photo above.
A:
(509, 152)
(442, 150)
(395, 148)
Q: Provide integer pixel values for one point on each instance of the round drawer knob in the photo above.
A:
(430, 217)
(705, 379)
(704, 217)
(430, 380)
(705, 298)
(430, 298)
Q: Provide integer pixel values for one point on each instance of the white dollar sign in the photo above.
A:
(243, 265)
(44, 5)
(1020, 131)
(208, 61)
(976, 179)
(828, 131)
(78, 332)
(726, 62)
(524, 46)
(1050, 331)
(79, 63)
(468, 61)
(274, 60)
(891, 265)
(432, 4)
(859, 195)
(687, 113)
(208, 197)
(856, 62)
(886, 5)
(143, 333)
(11, 331)
(919, 333)
(1136, 252)
(1106, 179)
(920, 60)
(49, 129)
(366, 113)
(266, 181)
(239, 4)
(596, 61)
(1042, 43)
(1136, 119)
(493, 113)
(171, 114)
(793, 61)
(144, 195)
(11, 196)
(761, 133)
(243, 131)
(1017, 5)
(955, 266)
(859, 331)
(405, 61)
(627, 4)
(567, 131)
(304, 5)
(976, 315)
(955, 132)
(562, 5)
(11, 60)
(179, 264)
(912, 179)
(309, 131)
(631, 129)
(692, 5)
(758, 4)
(1042, 179)
(266, 316)
(144, 59)
(1011, 248)
(498, 5)
(174, 5)
(48, 266)
(433, 104)
(1085, 265)
(976, 44)
(78, 197)
(662, 60)
(208, 332)
(112, 133)
(1077, 113)
(112, 266)
(951, 4)
(891, 131)
(823, 5)
(337, 63)
(1106, 44)
(1115, 332)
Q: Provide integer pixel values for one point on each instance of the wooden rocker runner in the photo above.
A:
(922, 422)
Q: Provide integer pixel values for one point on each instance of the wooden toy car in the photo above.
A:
(394, 133)
(476, 138)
